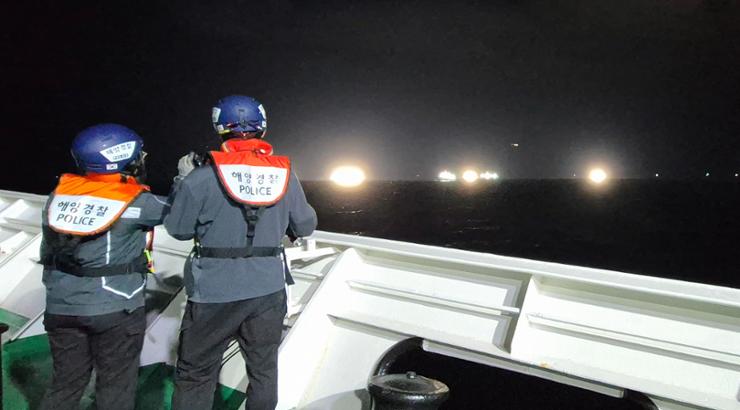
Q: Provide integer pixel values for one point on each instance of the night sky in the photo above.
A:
(402, 88)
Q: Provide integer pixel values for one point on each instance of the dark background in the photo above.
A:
(402, 88)
(407, 88)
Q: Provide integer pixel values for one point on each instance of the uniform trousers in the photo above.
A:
(110, 343)
(206, 331)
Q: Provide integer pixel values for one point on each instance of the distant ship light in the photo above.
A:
(597, 175)
(470, 176)
(447, 176)
(347, 176)
(489, 175)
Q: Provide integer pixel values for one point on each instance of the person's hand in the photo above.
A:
(185, 165)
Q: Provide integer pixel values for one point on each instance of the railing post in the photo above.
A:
(3, 329)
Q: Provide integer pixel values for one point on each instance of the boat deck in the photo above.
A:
(27, 371)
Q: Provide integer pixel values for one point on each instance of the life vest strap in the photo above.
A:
(252, 217)
(286, 270)
(244, 252)
(138, 265)
(258, 251)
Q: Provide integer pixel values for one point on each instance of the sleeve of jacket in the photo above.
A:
(182, 217)
(303, 218)
(153, 210)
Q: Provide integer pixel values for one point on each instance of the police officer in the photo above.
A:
(93, 250)
(237, 210)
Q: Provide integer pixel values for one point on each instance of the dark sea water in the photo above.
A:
(687, 230)
(680, 230)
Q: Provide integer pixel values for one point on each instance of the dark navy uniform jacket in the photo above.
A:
(202, 210)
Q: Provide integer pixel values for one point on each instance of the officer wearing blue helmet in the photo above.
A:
(237, 210)
(95, 226)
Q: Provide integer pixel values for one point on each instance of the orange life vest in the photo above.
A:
(90, 204)
(249, 172)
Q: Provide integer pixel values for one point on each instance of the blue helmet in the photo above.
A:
(106, 148)
(239, 114)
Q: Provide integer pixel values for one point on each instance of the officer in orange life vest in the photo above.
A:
(237, 210)
(93, 250)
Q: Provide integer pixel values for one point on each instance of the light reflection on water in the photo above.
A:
(352, 212)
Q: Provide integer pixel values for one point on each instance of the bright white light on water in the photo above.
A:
(707, 174)
(447, 176)
(657, 175)
(489, 175)
(736, 174)
(470, 176)
(597, 175)
(347, 176)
